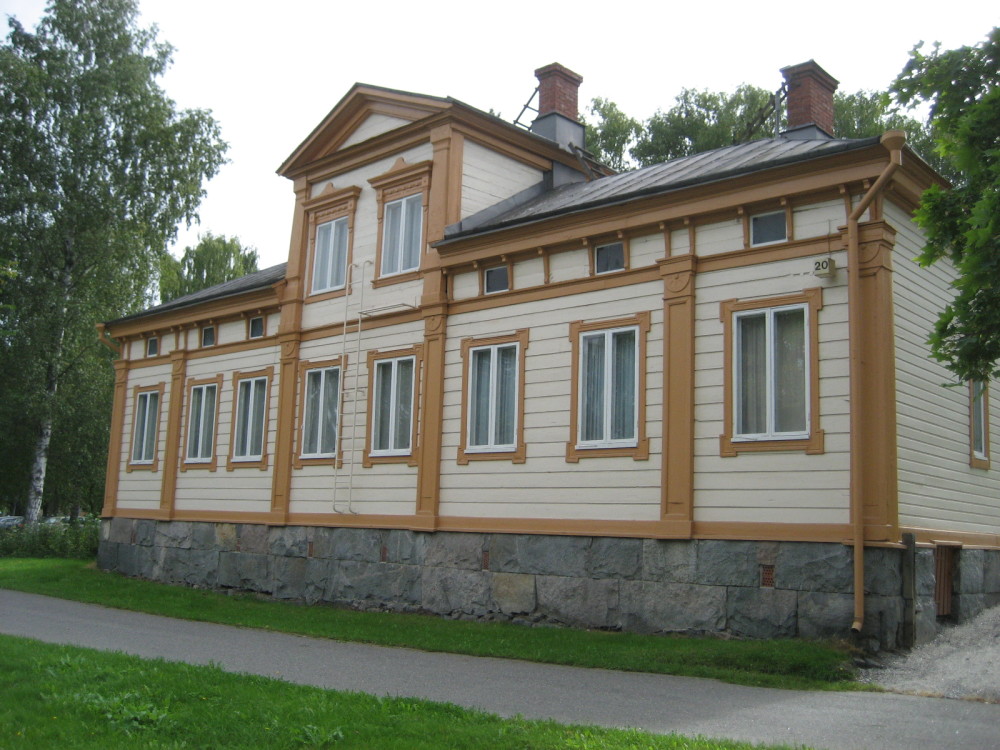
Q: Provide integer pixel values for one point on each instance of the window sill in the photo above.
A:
(979, 462)
(637, 452)
(514, 455)
(811, 445)
(391, 458)
(396, 278)
(144, 466)
(325, 295)
(192, 465)
(246, 463)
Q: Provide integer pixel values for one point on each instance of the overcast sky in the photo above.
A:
(270, 71)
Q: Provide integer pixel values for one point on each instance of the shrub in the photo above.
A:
(65, 539)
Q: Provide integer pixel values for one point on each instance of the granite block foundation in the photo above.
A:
(738, 588)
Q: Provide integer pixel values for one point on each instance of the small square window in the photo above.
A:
(208, 336)
(608, 258)
(768, 228)
(256, 328)
(152, 346)
(496, 279)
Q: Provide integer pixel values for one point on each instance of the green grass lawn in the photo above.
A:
(777, 663)
(68, 697)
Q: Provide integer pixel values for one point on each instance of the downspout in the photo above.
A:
(893, 140)
(103, 337)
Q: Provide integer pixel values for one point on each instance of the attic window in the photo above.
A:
(152, 346)
(496, 279)
(256, 327)
(208, 336)
(609, 258)
(766, 229)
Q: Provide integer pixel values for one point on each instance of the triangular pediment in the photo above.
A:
(365, 112)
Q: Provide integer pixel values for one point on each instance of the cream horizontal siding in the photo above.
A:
(771, 487)
(378, 489)
(646, 250)
(465, 285)
(364, 246)
(140, 488)
(528, 273)
(937, 487)
(569, 264)
(680, 242)
(818, 219)
(489, 177)
(201, 489)
(546, 486)
(719, 237)
(373, 125)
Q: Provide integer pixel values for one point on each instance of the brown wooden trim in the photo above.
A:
(154, 466)
(281, 478)
(975, 461)
(116, 439)
(251, 315)
(398, 278)
(337, 460)
(594, 243)
(677, 469)
(375, 356)
(505, 262)
(175, 416)
(640, 451)
(232, 463)
(969, 539)
(227, 308)
(381, 321)
(774, 532)
(518, 455)
(430, 397)
(814, 443)
(186, 464)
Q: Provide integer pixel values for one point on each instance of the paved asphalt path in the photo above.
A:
(656, 703)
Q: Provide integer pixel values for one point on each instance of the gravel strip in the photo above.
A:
(962, 662)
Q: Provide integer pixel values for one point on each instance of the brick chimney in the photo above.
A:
(810, 100)
(558, 90)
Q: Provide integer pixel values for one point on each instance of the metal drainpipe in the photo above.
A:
(893, 140)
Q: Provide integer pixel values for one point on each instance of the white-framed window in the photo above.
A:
(330, 257)
(496, 279)
(768, 228)
(147, 420)
(771, 370)
(609, 258)
(251, 416)
(402, 234)
(392, 405)
(980, 436)
(609, 388)
(201, 423)
(255, 328)
(152, 346)
(320, 405)
(493, 386)
(208, 336)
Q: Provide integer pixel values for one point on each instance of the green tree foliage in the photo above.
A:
(704, 120)
(214, 259)
(963, 223)
(97, 167)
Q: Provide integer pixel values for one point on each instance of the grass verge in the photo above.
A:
(68, 697)
(778, 663)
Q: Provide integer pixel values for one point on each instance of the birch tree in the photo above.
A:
(97, 168)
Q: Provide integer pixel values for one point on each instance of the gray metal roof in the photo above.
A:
(686, 171)
(249, 283)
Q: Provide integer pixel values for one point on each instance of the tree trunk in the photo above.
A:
(38, 466)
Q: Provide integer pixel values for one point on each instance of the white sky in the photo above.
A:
(271, 71)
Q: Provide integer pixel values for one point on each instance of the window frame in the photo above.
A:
(784, 212)
(371, 456)
(211, 463)
(337, 457)
(402, 182)
(517, 451)
(151, 464)
(263, 327)
(205, 330)
(151, 346)
(484, 272)
(637, 448)
(235, 461)
(811, 441)
(596, 247)
(979, 456)
(330, 205)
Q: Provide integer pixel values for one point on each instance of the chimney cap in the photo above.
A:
(810, 68)
(556, 69)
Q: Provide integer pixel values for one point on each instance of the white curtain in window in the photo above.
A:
(789, 371)
(331, 255)
(623, 386)
(593, 377)
(146, 416)
(506, 390)
(751, 375)
(320, 428)
(257, 423)
(313, 397)
(978, 419)
(404, 402)
(383, 405)
(392, 222)
(479, 406)
(331, 402)
(201, 437)
(412, 232)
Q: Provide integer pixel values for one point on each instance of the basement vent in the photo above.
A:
(944, 566)
(767, 576)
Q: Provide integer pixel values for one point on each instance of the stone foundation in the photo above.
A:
(639, 585)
